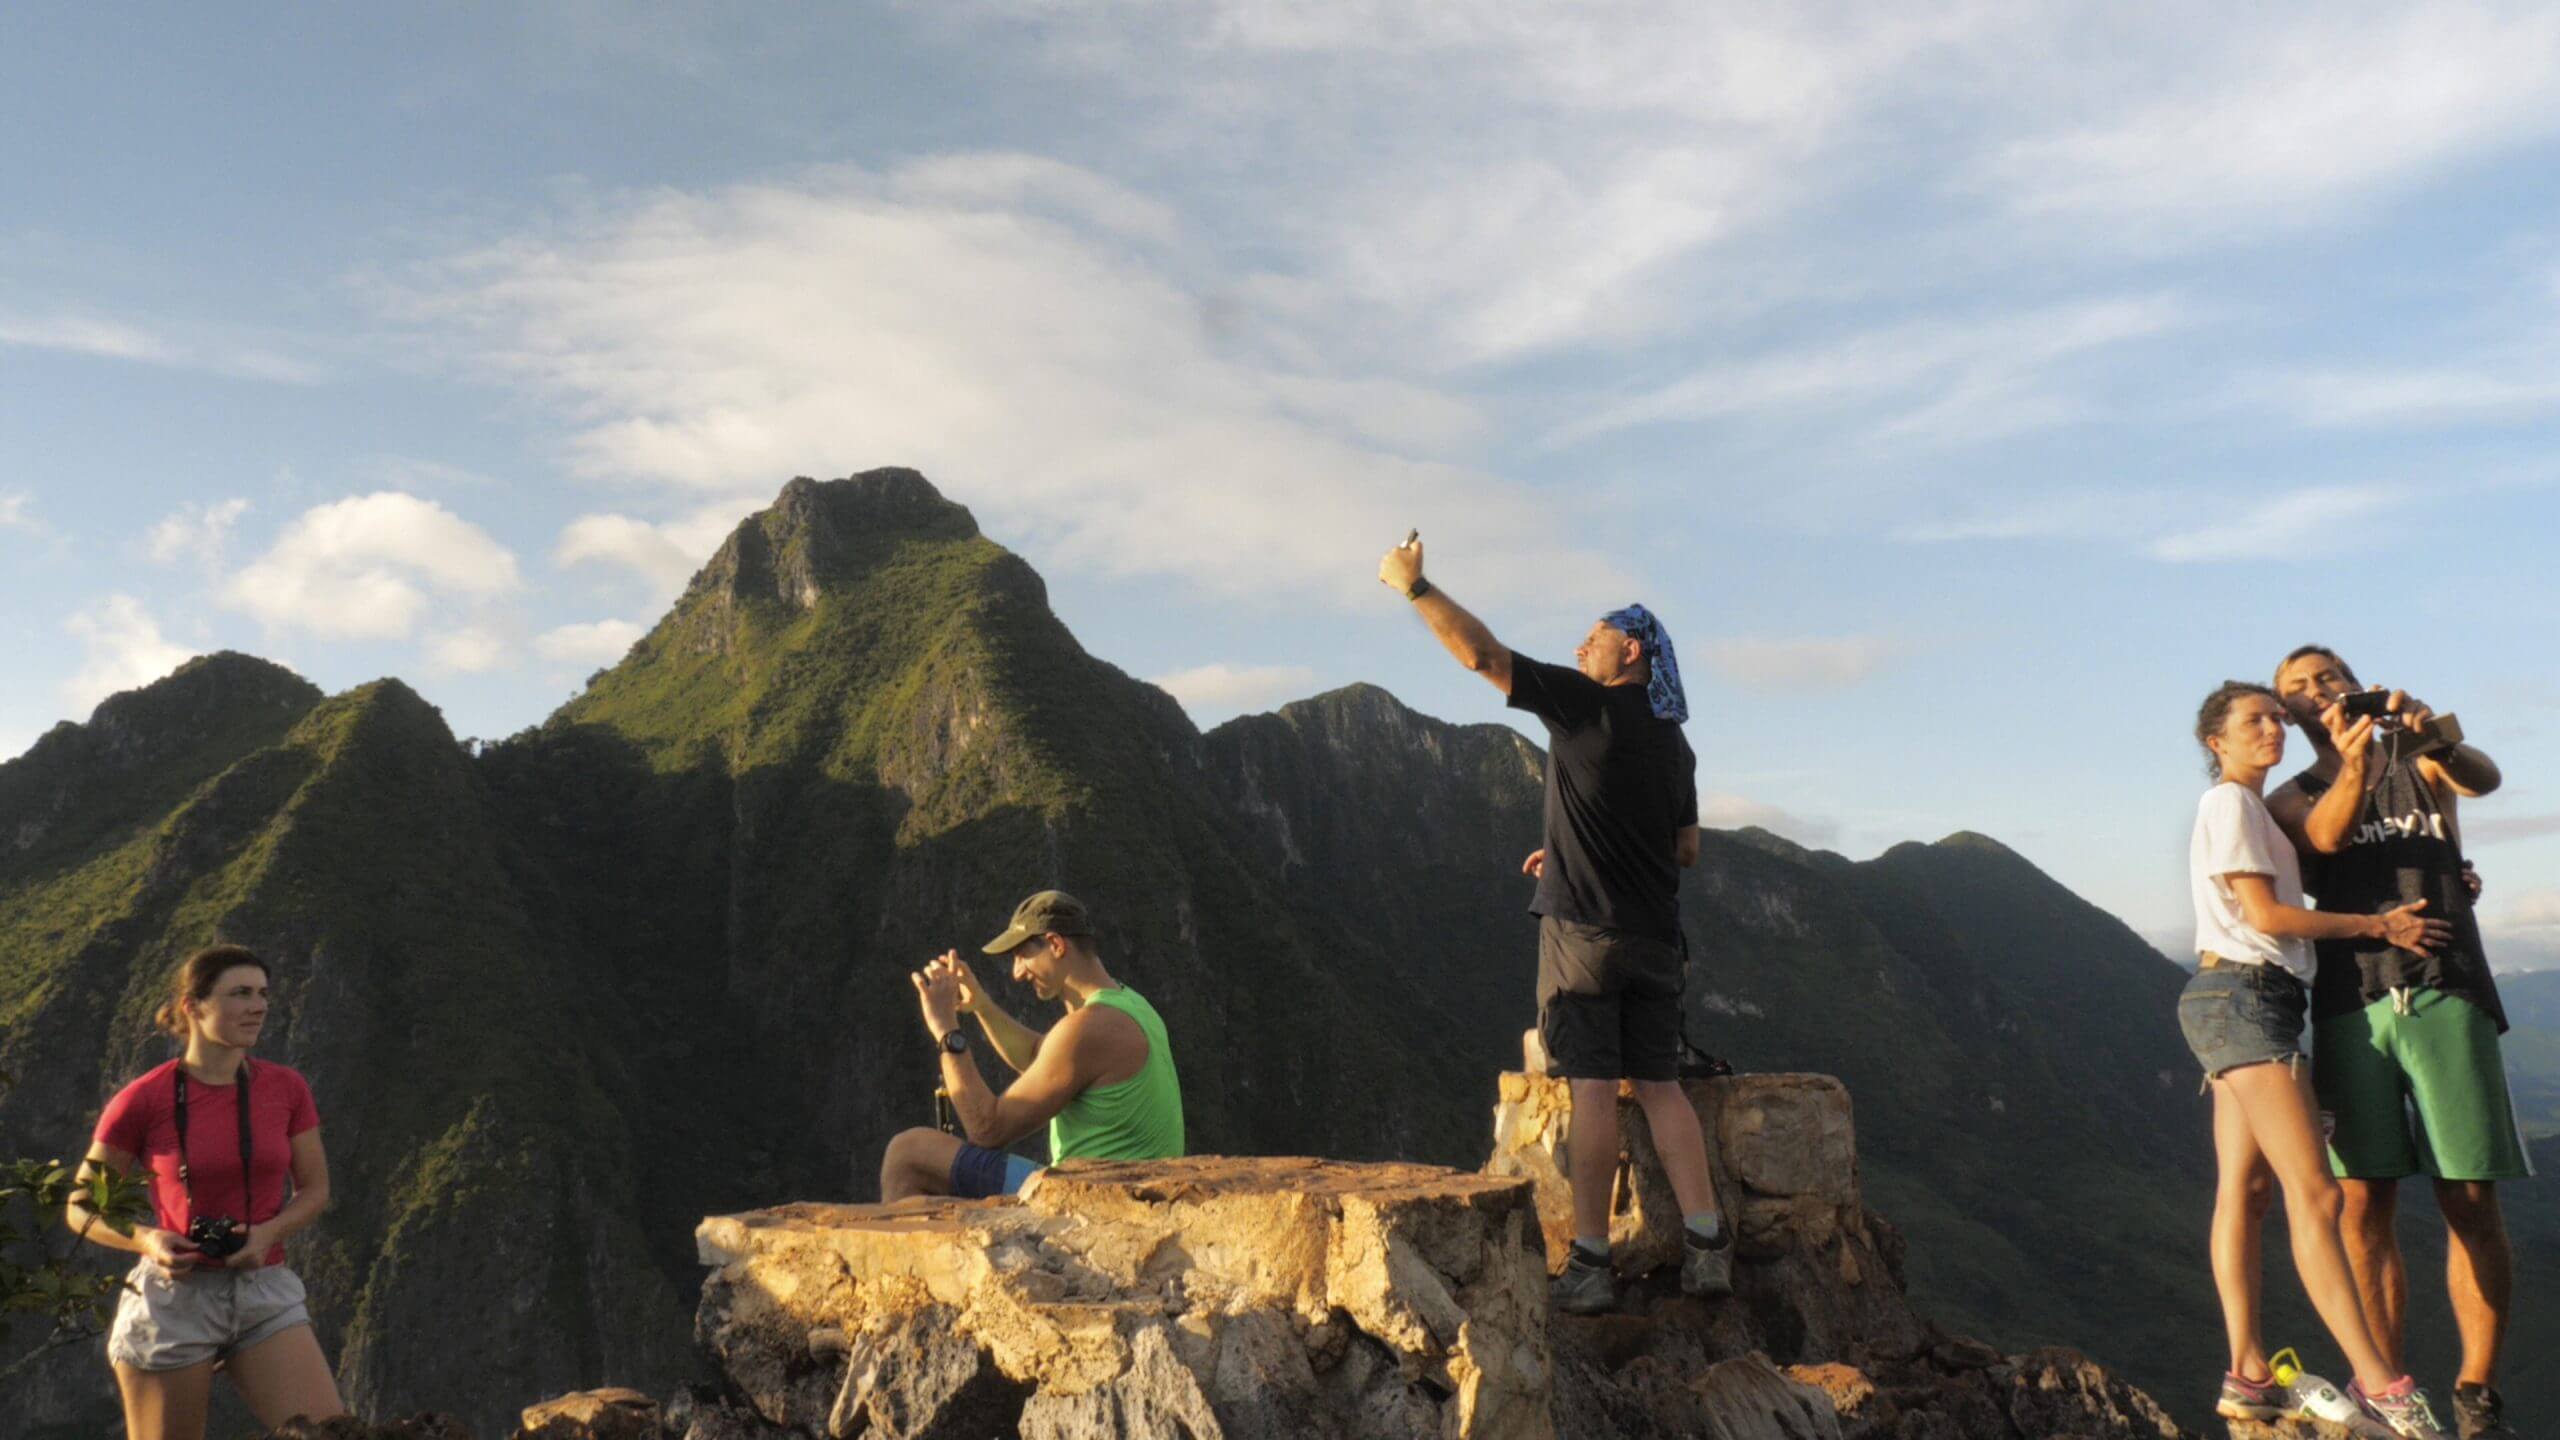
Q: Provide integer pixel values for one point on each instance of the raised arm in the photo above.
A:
(1014, 1042)
(1459, 632)
(2326, 823)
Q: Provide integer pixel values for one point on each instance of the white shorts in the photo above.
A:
(171, 1321)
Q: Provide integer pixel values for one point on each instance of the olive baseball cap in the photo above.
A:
(1051, 912)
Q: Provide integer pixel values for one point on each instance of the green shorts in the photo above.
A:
(2417, 1092)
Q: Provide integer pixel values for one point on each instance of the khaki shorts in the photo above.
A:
(169, 1322)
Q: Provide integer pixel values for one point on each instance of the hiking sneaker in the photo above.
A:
(2403, 1407)
(2480, 1412)
(1585, 1288)
(1706, 1271)
(2251, 1399)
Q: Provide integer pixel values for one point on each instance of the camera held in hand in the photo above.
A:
(217, 1237)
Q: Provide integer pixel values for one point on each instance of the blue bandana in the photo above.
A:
(1669, 701)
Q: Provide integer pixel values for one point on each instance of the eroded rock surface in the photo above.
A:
(1232, 1298)
(1289, 1299)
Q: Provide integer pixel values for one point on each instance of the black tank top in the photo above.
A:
(2402, 849)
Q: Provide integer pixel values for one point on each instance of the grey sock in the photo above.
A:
(1707, 1230)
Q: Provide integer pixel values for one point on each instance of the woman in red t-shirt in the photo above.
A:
(212, 1289)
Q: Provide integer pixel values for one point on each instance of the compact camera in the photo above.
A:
(217, 1237)
(2367, 705)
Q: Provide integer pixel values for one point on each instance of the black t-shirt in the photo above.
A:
(2402, 849)
(1621, 784)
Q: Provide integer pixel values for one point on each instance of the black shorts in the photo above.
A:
(1608, 1002)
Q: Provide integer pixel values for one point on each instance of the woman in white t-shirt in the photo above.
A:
(2243, 1017)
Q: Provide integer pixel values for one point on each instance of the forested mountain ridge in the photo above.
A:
(646, 961)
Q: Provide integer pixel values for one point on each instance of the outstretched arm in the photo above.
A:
(1459, 632)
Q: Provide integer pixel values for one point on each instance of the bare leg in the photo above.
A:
(2479, 1273)
(1680, 1142)
(165, 1404)
(1591, 1150)
(285, 1375)
(2284, 1116)
(2371, 1228)
(2243, 1189)
(917, 1162)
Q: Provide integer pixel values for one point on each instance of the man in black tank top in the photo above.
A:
(2405, 1043)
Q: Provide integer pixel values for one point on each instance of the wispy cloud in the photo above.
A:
(717, 341)
(18, 511)
(1225, 689)
(2278, 119)
(1726, 811)
(1822, 663)
(111, 339)
(197, 532)
(1933, 382)
(2295, 525)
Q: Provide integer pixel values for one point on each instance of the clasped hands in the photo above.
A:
(946, 989)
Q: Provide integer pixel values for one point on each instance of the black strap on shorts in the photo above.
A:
(248, 1194)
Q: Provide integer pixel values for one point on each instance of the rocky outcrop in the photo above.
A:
(1223, 1299)
(1215, 1297)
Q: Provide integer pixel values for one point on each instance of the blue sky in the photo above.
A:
(1970, 390)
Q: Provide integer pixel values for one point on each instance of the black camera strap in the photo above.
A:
(248, 1194)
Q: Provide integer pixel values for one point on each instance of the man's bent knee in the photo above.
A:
(916, 1162)
(2470, 1207)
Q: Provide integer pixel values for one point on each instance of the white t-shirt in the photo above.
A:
(2236, 836)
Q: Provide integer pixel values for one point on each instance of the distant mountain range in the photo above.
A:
(644, 962)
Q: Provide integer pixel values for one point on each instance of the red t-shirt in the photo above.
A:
(143, 1121)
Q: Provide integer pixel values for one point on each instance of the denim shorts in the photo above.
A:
(2235, 1015)
(171, 1321)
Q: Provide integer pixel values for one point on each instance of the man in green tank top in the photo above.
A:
(1101, 1079)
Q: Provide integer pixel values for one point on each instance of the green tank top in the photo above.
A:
(1138, 1119)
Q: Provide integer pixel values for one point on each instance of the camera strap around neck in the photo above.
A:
(186, 1182)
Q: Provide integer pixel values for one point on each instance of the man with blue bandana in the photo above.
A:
(1621, 823)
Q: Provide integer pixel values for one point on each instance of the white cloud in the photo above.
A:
(200, 533)
(1830, 663)
(124, 650)
(1935, 381)
(594, 642)
(664, 553)
(2294, 525)
(118, 340)
(1057, 378)
(369, 568)
(472, 650)
(1723, 811)
(16, 511)
(1230, 689)
(2418, 397)
(2275, 121)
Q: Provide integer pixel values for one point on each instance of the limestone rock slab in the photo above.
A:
(1241, 1297)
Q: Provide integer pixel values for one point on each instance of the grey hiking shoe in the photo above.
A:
(1706, 1271)
(2405, 1410)
(2251, 1399)
(2480, 1412)
(1584, 1288)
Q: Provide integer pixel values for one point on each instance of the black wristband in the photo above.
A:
(1421, 587)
